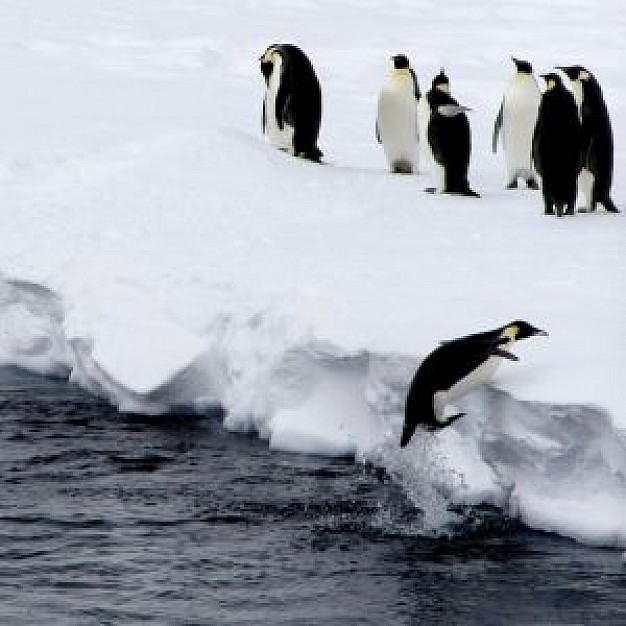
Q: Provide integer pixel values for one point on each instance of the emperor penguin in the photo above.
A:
(557, 143)
(597, 140)
(396, 121)
(292, 107)
(516, 122)
(455, 368)
(449, 138)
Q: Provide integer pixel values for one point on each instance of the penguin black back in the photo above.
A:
(556, 147)
(298, 99)
(597, 136)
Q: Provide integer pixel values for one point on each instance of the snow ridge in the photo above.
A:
(553, 466)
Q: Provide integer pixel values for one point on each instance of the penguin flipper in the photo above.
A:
(416, 87)
(263, 120)
(378, 139)
(497, 127)
(505, 355)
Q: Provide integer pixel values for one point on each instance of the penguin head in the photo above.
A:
(441, 82)
(575, 72)
(400, 62)
(267, 60)
(523, 67)
(520, 329)
(552, 80)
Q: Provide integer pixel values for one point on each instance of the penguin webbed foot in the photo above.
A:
(314, 155)
(609, 206)
(449, 420)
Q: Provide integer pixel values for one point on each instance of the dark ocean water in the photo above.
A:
(114, 519)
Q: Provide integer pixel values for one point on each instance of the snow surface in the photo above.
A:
(158, 251)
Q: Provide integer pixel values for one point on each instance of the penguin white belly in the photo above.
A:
(397, 125)
(577, 90)
(521, 106)
(480, 376)
(423, 118)
(279, 138)
(585, 186)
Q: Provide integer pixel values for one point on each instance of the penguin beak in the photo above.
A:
(541, 333)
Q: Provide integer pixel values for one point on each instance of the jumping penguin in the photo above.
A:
(516, 121)
(449, 139)
(597, 140)
(455, 368)
(396, 121)
(292, 107)
(556, 147)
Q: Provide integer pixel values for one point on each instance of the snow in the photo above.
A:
(156, 250)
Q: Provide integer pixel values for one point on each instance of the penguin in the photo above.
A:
(396, 121)
(597, 140)
(453, 369)
(292, 107)
(449, 138)
(516, 121)
(556, 146)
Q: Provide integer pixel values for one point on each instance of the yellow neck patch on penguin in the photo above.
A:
(511, 332)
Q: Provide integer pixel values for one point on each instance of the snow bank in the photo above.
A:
(159, 253)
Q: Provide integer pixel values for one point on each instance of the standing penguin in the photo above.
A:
(449, 138)
(396, 122)
(597, 139)
(455, 368)
(557, 142)
(292, 107)
(516, 120)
